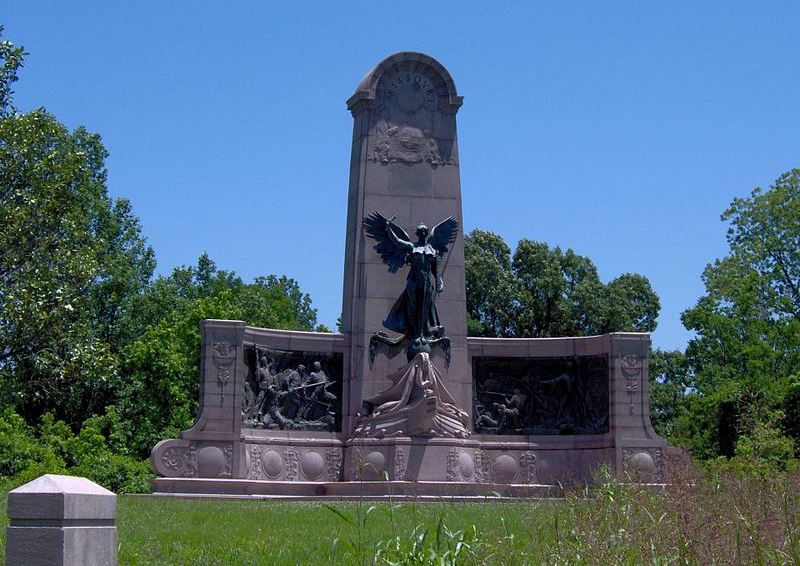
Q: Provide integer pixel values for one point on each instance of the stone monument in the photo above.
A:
(402, 401)
(61, 521)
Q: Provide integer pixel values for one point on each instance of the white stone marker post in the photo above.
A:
(61, 520)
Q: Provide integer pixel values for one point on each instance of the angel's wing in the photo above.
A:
(392, 254)
(443, 234)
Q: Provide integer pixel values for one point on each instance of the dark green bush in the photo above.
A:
(26, 453)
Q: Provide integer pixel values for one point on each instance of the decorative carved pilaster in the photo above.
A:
(228, 452)
(357, 463)
(483, 467)
(290, 460)
(333, 458)
(632, 370)
(224, 356)
(527, 462)
(400, 464)
(255, 463)
(453, 471)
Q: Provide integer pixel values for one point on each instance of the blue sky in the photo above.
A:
(621, 130)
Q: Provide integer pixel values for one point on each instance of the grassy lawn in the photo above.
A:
(161, 531)
(698, 519)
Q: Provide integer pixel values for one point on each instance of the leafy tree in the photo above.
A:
(746, 352)
(97, 360)
(12, 59)
(543, 291)
(27, 452)
(629, 302)
(268, 302)
(159, 395)
(671, 384)
(71, 259)
(493, 295)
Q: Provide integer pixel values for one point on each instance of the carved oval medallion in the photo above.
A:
(642, 464)
(210, 462)
(312, 465)
(374, 464)
(505, 469)
(272, 464)
(467, 465)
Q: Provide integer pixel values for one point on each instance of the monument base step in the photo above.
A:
(348, 491)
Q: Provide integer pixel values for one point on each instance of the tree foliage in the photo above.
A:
(746, 353)
(671, 380)
(98, 360)
(542, 291)
(71, 260)
(159, 396)
(11, 60)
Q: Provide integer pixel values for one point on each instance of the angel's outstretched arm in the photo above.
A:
(397, 239)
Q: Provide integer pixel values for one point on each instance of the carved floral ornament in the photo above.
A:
(333, 457)
(400, 464)
(224, 356)
(290, 461)
(631, 365)
(632, 370)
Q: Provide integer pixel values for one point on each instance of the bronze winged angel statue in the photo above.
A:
(414, 313)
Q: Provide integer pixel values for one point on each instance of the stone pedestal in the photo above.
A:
(61, 520)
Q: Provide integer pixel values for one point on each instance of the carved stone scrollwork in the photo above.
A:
(632, 370)
(290, 460)
(180, 461)
(400, 464)
(228, 451)
(333, 457)
(224, 356)
(452, 465)
(357, 463)
(527, 462)
(255, 463)
(462, 466)
(483, 467)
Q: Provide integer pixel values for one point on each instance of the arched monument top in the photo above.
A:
(365, 91)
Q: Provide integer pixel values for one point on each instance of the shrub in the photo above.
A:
(26, 453)
(22, 456)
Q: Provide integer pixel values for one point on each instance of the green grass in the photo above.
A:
(161, 531)
(700, 518)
